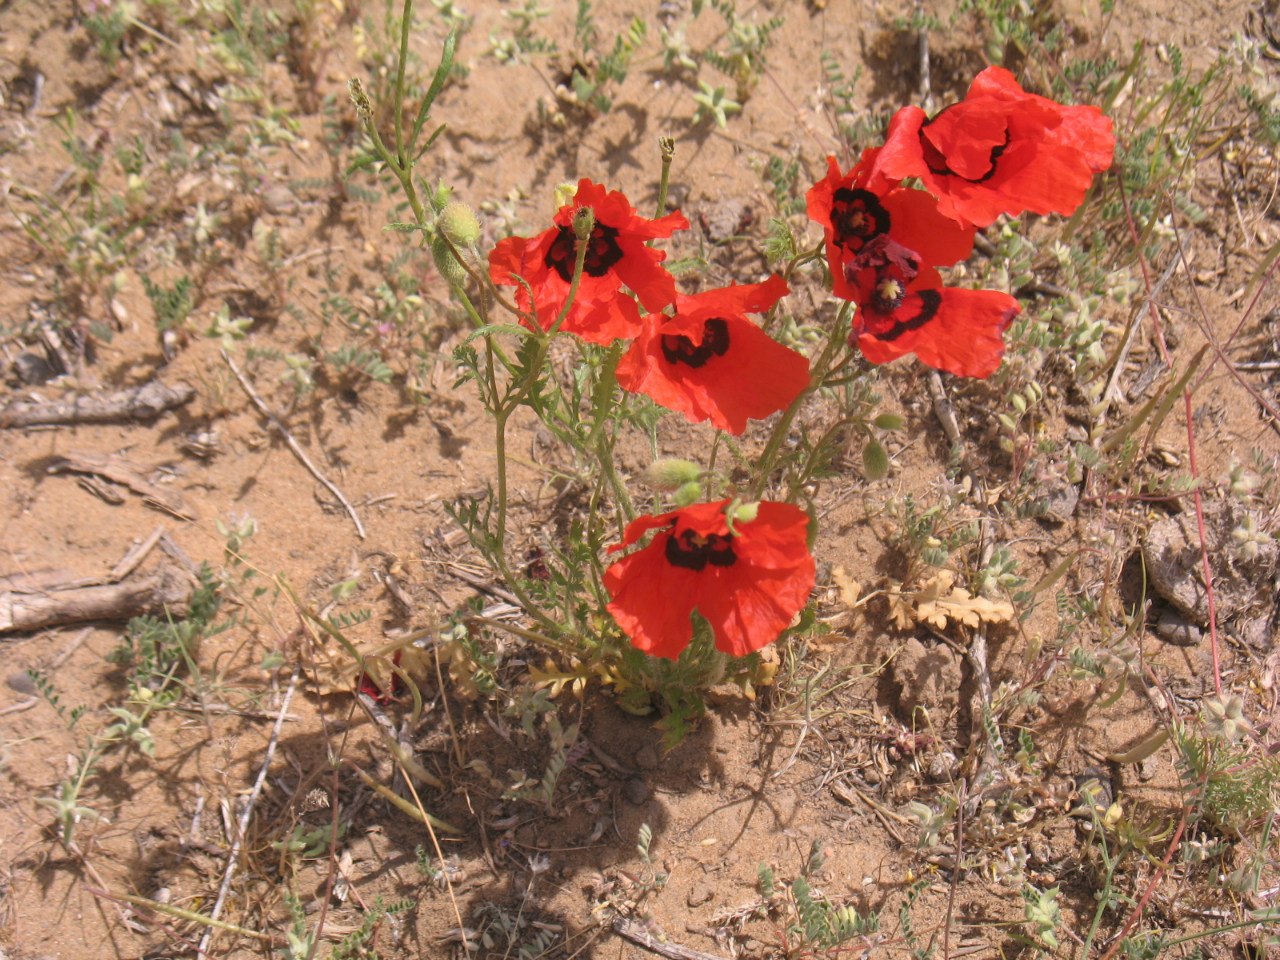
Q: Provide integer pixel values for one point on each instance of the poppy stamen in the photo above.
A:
(603, 252)
(678, 348)
(857, 218)
(693, 550)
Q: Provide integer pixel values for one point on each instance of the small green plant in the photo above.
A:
(812, 924)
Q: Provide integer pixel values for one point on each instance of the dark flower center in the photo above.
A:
(678, 348)
(602, 252)
(937, 163)
(693, 550)
(857, 217)
(888, 294)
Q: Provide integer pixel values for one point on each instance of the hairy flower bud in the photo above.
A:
(447, 263)
(670, 474)
(458, 222)
(688, 493)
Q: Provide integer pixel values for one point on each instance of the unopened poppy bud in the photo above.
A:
(688, 493)
(458, 222)
(584, 221)
(564, 194)
(447, 263)
(671, 474)
(746, 512)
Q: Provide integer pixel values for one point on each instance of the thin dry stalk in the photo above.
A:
(293, 444)
(242, 826)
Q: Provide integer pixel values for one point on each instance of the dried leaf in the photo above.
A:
(938, 602)
(848, 588)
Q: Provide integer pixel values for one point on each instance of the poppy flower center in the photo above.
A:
(857, 218)
(603, 252)
(678, 348)
(888, 294)
(693, 550)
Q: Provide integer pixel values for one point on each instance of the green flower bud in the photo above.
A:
(688, 493)
(564, 194)
(744, 512)
(447, 263)
(458, 222)
(584, 221)
(671, 474)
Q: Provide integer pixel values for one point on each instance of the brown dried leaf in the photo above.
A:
(938, 602)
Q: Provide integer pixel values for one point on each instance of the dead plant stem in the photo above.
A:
(293, 444)
(242, 826)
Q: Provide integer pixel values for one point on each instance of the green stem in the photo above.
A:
(668, 148)
(835, 343)
(406, 21)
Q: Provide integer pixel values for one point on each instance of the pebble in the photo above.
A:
(635, 791)
(647, 757)
(1171, 627)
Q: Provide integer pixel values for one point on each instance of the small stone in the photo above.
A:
(925, 677)
(647, 757)
(700, 894)
(33, 369)
(279, 199)
(1173, 628)
(21, 683)
(724, 220)
(635, 791)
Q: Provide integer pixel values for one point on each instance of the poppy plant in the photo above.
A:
(883, 243)
(616, 256)
(747, 580)
(1000, 150)
(710, 362)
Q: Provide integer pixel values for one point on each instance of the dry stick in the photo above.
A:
(165, 589)
(138, 403)
(242, 827)
(293, 444)
(942, 408)
(1113, 384)
(638, 934)
(1158, 328)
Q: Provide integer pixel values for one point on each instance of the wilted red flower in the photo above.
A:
(883, 243)
(747, 583)
(710, 362)
(1000, 150)
(616, 256)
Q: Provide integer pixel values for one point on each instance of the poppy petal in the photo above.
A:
(748, 584)
(948, 328)
(1000, 150)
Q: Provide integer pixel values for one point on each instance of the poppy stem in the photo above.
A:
(668, 147)
(406, 23)
(837, 341)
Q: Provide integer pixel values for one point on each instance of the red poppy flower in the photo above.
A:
(948, 328)
(883, 243)
(616, 256)
(710, 362)
(747, 583)
(1000, 150)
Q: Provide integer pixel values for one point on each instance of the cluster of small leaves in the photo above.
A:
(154, 649)
(813, 921)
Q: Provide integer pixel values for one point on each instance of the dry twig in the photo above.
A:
(242, 825)
(138, 403)
(293, 444)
